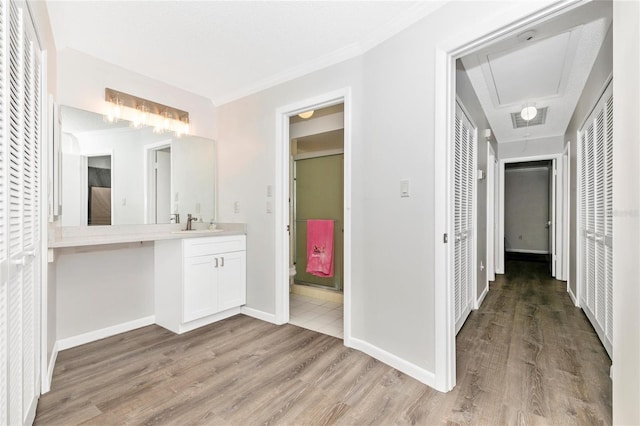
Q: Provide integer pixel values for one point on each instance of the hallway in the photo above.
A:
(530, 356)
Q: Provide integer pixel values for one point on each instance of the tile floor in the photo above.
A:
(317, 315)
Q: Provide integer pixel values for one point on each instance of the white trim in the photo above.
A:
(573, 297)
(491, 206)
(261, 315)
(481, 298)
(501, 177)
(566, 217)
(530, 251)
(455, 46)
(48, 377)
(92, 336)
(425, 376)
(281, 201)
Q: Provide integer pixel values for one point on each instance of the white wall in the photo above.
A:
(531, 148)
(103, 286)
(626, 220)
(468, 97)
(526, 209)
(393, 138)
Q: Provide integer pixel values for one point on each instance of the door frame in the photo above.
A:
(84, 183)
(491, 208)
(281, 196)
(149, 183)
(511, 21)
(556, 213)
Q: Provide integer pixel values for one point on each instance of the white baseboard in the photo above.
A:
(408, 368)
(46, 384)
(573, 297)
(482, 296)
(92, 336)
(261, 315)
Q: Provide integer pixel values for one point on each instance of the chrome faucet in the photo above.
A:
(175, 218)
(189, 220)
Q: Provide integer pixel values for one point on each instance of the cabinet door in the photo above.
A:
(200, 289)
(232, 280)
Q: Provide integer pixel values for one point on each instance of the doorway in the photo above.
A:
(286, 130)
(528, 211)
(99, 197)
(158, 183)
(317, 216)
(446, 55)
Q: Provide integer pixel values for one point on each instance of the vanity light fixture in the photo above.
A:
(306, 114)
(143, 112)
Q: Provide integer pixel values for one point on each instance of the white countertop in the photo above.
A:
(77, 236)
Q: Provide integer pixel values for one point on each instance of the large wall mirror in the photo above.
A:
(115, 174)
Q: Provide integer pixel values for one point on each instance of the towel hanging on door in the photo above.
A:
(320, 247)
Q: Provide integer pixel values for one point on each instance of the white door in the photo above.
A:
(200, 287)
(464, 239)
(231, 280)
(595, 160)
(20, 188)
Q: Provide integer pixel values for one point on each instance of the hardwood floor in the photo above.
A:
(528, 356)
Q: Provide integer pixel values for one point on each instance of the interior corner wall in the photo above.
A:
(393, 117)
(468, 97)
(601, 71)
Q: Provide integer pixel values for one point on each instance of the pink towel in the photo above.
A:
(320, 248)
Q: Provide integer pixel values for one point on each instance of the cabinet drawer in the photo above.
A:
(213, 245)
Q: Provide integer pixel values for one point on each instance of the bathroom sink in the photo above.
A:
(198, 231)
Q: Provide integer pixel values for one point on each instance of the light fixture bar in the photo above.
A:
(126, 100)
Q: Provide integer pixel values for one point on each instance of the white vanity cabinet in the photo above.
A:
(199, 280)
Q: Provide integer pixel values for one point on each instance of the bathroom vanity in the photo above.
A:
(199, 280)
(110, 279)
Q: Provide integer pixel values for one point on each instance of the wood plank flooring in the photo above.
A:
(528, 356)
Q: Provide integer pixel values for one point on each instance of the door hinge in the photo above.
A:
(288, 228)
(445, 238)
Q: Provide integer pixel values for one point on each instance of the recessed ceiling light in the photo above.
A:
(528, 113)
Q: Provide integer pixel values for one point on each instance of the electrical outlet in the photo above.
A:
(236, 207)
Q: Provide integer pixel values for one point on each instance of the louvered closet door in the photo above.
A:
(463, 189)
(596, 218)
(21, 138)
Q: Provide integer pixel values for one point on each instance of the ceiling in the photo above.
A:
(224, 50)
(545, 66)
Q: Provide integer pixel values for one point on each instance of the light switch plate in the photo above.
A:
(404, 187)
